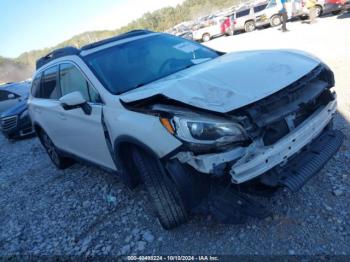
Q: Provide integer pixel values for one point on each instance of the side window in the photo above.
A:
(243, 13)
(49, 87)
(4, 95)
(36, 85)
(71, 79)
(259, 8)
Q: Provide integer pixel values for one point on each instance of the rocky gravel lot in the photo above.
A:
(85, 211)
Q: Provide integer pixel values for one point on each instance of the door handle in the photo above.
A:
(62, 116)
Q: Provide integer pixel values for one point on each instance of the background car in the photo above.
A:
(244, 17)
(324, 7)
(11, 94)
(215, 28)
(271, 14)
(15, 122)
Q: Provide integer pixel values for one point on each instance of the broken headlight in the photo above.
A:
(205, 131)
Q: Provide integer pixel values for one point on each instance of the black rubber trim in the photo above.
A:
(310, 162)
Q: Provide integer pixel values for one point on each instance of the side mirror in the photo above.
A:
(75, 100)
(11, 96)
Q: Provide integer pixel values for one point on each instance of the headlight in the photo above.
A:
(24, 114)
(205, 130)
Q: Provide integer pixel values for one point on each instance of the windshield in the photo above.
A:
(127, 66)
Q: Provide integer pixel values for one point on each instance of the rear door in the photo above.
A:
(44, 106)
(82, 134)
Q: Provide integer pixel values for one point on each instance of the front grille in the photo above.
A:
(276, 115)
(8, 123)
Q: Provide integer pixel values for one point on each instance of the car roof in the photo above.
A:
(70, 50)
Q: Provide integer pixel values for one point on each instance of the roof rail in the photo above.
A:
(116, 38)
(69, 50)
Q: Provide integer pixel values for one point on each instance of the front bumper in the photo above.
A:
(263, 159)
(15, 127)
(246, 163)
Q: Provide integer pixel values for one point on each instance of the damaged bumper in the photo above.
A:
(257, 159)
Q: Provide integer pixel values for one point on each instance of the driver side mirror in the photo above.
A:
(11, 96)
(75, 100)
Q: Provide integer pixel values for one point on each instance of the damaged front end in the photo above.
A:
(281, 140)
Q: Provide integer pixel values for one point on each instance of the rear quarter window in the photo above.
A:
(49, 86)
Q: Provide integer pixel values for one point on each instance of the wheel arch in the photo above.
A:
(122, 147)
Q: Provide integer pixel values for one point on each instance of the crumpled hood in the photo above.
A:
(230, 81)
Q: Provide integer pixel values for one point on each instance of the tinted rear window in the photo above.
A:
(259, 8)
(242, 13)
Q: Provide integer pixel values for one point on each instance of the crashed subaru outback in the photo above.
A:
(203, 130)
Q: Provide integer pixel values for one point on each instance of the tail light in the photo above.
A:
(235, 22)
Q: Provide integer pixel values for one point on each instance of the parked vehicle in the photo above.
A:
(188, 121)
(216, 28)
(15, 122)
(11, 94)
(14, 119)
(271, 14)
(244, 17)
(324, 7)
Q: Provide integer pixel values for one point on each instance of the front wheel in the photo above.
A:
(162, 191)
(318, 10)
(276, 20)
(205, 37)
(57, 159)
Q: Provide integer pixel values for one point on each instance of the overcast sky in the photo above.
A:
(33, 24)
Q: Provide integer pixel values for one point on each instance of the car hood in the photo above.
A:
(17, 109)
(230, 81)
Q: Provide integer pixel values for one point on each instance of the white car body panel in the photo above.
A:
(89, 141)
(212, 30)
(217, 85)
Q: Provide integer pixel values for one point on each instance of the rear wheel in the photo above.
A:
(57, 159)
(249, 26)
(162, 191)
(275, 20)
(205, 37)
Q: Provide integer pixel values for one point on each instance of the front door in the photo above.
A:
(82, 134)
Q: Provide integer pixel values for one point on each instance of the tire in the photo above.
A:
(206, 37)
(249, 26)
(56, 157)
(162, 191)
(318, 10)
(275, 20)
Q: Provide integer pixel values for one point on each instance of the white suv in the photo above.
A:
(199, 128)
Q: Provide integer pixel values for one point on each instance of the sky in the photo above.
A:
(26, 25)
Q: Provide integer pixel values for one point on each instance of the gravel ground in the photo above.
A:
(83, 210)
